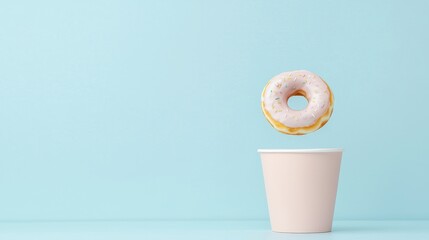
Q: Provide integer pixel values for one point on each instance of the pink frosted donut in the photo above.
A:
(297, 83)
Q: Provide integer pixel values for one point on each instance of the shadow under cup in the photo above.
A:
(301, 187)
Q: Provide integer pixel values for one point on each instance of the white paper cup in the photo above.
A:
(301, 187)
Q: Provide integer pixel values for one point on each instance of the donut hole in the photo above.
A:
(297, 103)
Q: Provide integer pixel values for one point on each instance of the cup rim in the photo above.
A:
(311, 150)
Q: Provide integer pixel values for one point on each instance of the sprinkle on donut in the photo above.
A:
(297, 83)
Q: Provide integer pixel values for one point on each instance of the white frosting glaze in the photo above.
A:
(287, 84)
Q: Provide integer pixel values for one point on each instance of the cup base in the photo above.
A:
(301, 232)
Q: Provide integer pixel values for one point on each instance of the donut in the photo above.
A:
(279, 89)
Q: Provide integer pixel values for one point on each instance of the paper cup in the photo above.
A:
(301, 187)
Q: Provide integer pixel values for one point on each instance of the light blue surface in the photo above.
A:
(150, 109)
(208, 230)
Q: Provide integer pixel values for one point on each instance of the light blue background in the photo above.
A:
(150, 110)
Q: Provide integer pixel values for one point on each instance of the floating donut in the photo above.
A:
(297, 83)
